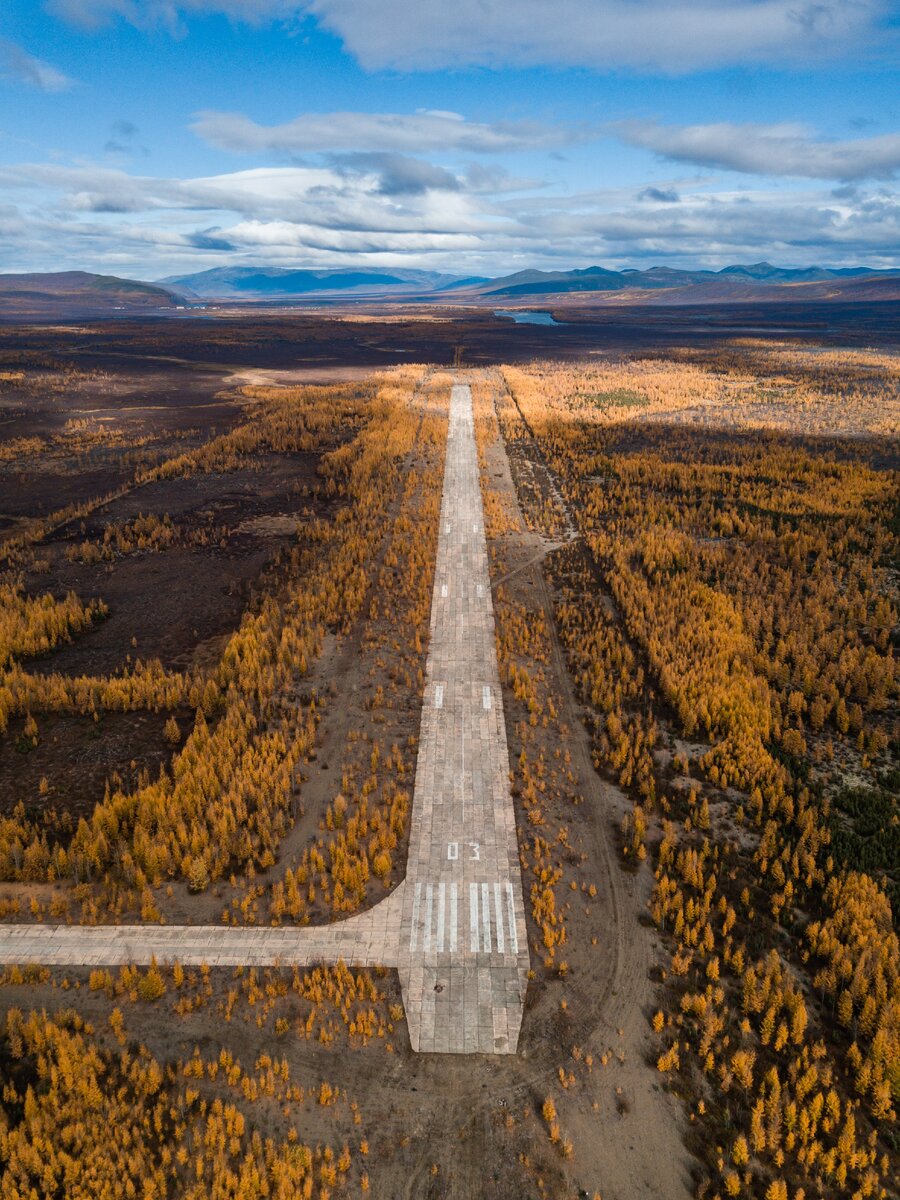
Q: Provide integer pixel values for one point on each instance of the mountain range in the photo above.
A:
(269, 283)
(598, 279)
(81, 293)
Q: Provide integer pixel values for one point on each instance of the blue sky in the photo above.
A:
(149, 137)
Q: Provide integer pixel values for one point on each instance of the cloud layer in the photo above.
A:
(683, 35)
(774, 150)
(419, 214)
(405, 133)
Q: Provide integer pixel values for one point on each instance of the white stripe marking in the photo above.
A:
(444, 590)
(414, 934)
(479, 590)
(473, 917)
(452, 918)
(511, 909)
(426, 933)
(486, 918)
(486, 696)
(498, 910)
(439, 696)
(440, 918)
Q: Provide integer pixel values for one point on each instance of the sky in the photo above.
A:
(148, 138)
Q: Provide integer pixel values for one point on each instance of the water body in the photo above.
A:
(523, 317)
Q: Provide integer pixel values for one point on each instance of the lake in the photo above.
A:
(522, 317)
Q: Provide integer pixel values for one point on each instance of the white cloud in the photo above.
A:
(400, 175)
(616, 34)
(87, 216)
(660, 35)
(783, 150)
(168, 13)
(349, 199)
(800, 228)
(401, 132)
(16, 64)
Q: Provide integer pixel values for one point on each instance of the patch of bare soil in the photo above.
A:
(75, 756)
(164, 604)
(160, 606)
(276, 525)
(38, 490)
(257, 377)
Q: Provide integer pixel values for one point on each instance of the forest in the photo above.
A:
(729, 611)
(237, 764)
(694, 577)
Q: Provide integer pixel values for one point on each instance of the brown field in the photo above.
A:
(217, 545)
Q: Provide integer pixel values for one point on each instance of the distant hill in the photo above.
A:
(466, 281)
(733, 283)
(279, 283)
(630, 286)
(723, 291)
(78, 293)
(260, 285)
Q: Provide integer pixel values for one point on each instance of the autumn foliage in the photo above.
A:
(727, 609)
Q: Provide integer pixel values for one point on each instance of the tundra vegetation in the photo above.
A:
(212, 655)
(729, 612)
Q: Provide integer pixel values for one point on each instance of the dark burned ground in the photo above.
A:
(136, 395)
(323, 342)
(98, 426)
(185, 596)
(38, 490)
(167, 602)
(177, 605)
(76, 756)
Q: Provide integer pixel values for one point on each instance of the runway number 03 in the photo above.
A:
(453, 851)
